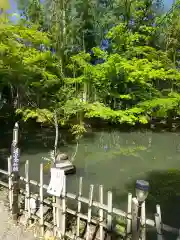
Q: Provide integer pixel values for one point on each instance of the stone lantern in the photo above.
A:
(62, 161)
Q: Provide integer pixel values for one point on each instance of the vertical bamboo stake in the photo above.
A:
(58, 215)
(143, 221)
(89, 211)
(10, 182)
(135, 206)
(101, 236)
(129, 209)
(109, 215)
(61, 210)
(178, 238)
(41, 201)
(158, 211)
(27, 196)
(79, 208)
(158, 227)
(158, 222)
(63, 228)
(54, 216)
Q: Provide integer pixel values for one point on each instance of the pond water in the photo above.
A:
(116, 160)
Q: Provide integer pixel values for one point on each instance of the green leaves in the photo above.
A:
(131, 78)
(134, 79)
(161, 107)
(40, 115)
(100, 111)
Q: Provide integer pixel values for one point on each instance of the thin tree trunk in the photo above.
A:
(57, 132)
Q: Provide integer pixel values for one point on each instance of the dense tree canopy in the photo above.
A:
(113, 60)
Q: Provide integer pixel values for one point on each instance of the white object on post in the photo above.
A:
(56, 182)
(57, 187)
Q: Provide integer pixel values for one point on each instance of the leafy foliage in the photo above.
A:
(55, 60)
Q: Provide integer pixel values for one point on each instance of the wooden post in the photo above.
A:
(15, 173)
(109, 215)
(10, 182)
(79, 208)
(129, 209)
(15, 203)
(41, 202)
(89, 211)
(143, 222)
(101, 232)
(135, 232)
(27, 196)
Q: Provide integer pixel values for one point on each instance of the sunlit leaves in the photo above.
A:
(40, 115)
(132, 74)
(129, 81)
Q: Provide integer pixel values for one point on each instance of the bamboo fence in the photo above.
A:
(103, 221)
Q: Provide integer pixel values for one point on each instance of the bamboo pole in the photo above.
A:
(61, 210)
(41, 202)
(101, 232)
(158, 222)
(27, 196)
(135, 206)
(178, 238)
(143, 222)
(129, 209)
(109, 215)
(158, 211)
(79, 208)
(58, 216)
(158, 227)
(54, 216)
(63, 220)
(89, 212)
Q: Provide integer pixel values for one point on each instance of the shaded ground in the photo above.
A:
(9, 231)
